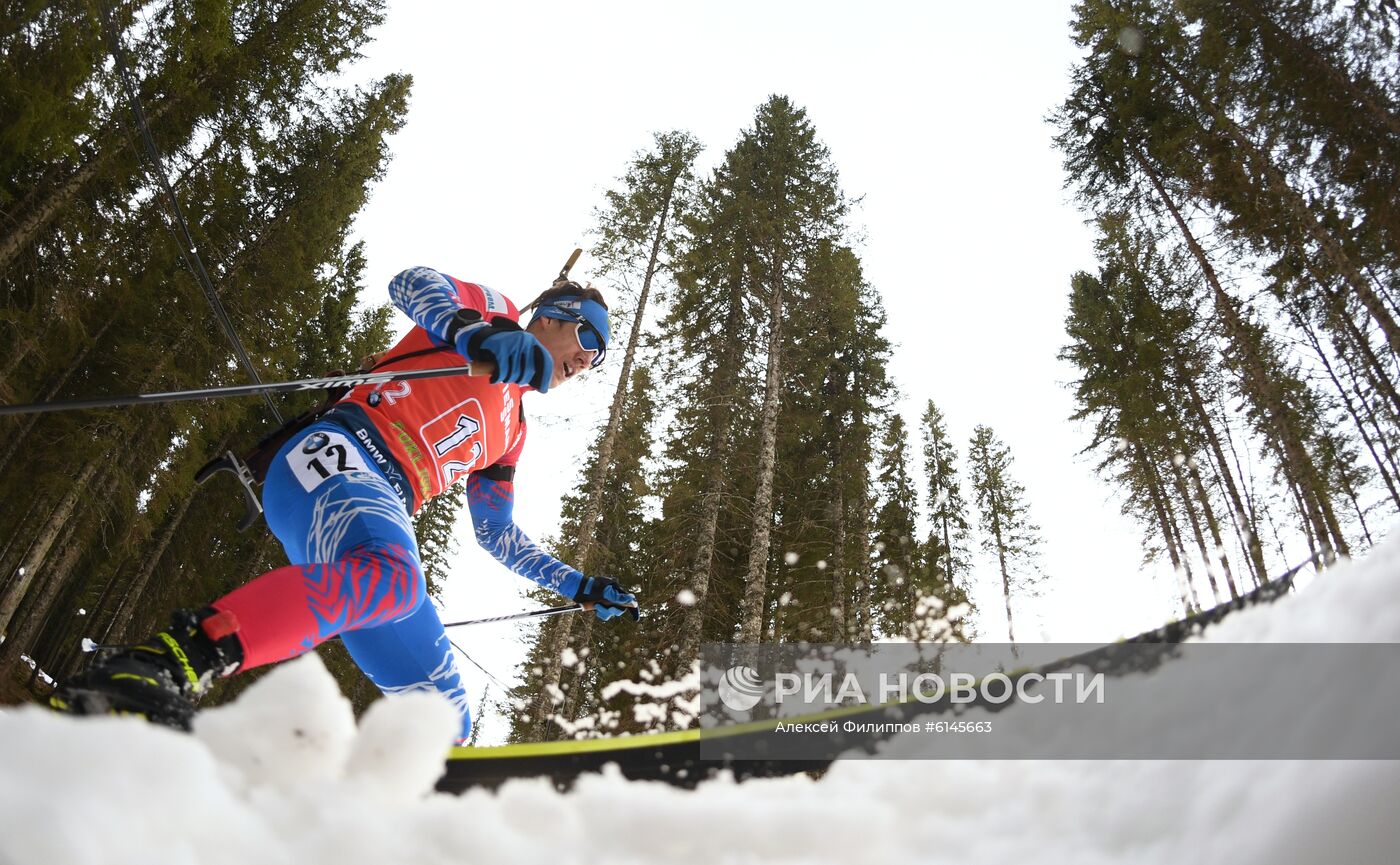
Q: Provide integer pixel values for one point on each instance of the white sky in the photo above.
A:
(523, 113)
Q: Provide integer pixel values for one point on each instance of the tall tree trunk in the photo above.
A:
(99, 622)
(1252, 543)
(44, 540)
(581, 639)
(588, 522)
(1350, 490)
(862, 623)
(1342, 321)
(1329, 516)
(751, 626)
(39, 213)
(1301, 505)
(78, 495)
(1154, 492)
(40, 208)
(717, 476)
(39, 616)
(1213, 525)
(1345, 395)
(1186, 504)
(1297, 207)
(1390, 465)
(13, 441)
(21, 638)
(1297, 463)
(560, 631)
(1005, 577)
(1174, 527)
(944, 521)
(1257, 512)
(11, 551)
(18, 347)
(122, 618)
(838, 564)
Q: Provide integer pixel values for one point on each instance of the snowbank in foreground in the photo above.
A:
(284, 776)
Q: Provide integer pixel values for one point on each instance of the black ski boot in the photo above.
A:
(161, 678)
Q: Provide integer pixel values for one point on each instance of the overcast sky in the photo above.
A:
(523, 113)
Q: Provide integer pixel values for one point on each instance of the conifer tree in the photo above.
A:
(1166, 119)
(621, 549)
(834, 386)
(794, 203)
(1007, 532)
(947, 544)
(1145, 357)
(706, 365)
(637, 241)
(768, 217)
(898, 558)
(268, 184)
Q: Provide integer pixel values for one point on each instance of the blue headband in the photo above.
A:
(591, 317)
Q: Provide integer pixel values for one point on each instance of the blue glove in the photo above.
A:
(607, 597)
(519, 358)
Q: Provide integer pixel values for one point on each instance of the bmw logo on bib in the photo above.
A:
(315, 443)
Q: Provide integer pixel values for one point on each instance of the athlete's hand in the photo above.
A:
(607, 597)
(519, 358)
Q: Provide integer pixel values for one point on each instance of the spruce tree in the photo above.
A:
(834, 386)
(794, 203)
(1008, 535)
(621, 550)
(637, 241)
(268, 183)
(1167, 113)
(947, 545)
(897, 558)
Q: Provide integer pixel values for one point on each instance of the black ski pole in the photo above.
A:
(532, 614)
(351, 380)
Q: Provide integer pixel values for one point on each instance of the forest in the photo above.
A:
(1236, 351)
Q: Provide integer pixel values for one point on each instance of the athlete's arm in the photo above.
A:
(427, 297)
(492, 505)
(431, 300)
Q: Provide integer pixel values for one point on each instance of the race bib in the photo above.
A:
(321, 456)
(458, 440)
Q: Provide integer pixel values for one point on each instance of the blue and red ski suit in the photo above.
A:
(339, 494)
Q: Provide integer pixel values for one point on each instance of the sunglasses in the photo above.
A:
(589, 339)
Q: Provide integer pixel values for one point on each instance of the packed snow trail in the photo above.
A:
(284, 776)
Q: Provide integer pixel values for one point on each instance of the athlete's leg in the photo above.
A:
(355, 573)
(355, 565)
(351, 544)
(412, 654)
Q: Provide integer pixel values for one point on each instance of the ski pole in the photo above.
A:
(532, 614)
(352, 380)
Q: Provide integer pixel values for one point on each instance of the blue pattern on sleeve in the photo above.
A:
(427, 297)
(492, 505)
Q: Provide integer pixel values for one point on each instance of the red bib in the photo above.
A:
(440, 429)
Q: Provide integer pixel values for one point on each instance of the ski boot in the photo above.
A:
(161, 678)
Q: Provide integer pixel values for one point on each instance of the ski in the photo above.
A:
(674, 757)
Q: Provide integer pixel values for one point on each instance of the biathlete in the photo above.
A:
(338, 495)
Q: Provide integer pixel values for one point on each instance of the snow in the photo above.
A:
(283, 775)
(34, 665)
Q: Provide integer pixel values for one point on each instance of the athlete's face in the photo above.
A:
(560, 339)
